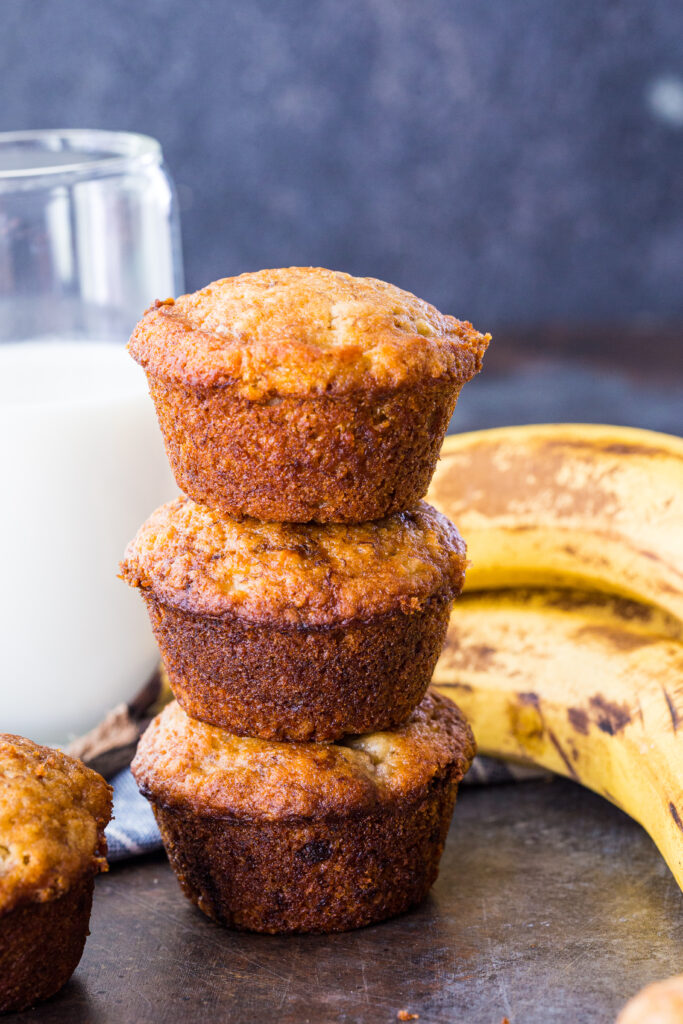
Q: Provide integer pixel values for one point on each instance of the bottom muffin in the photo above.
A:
(53, 811)
(305, 837)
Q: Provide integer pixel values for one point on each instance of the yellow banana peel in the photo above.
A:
(594, 507)
(584, 674)
(587, 685)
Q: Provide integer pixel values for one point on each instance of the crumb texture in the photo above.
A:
(53, 811)
(303, 330)
(198, 560)
(189, 766)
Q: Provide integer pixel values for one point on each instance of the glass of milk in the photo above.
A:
(89, 237)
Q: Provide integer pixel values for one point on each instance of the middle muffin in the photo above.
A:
(297, 631)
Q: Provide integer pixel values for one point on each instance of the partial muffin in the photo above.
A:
(53, 811)
(658, 1003)
(305, 837)
(304, 394)
(297, 631)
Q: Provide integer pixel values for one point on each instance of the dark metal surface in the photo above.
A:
(551, 906)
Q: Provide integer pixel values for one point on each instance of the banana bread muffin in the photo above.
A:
(304, 394)
(53, 811)
(305, 837)
(297, 631)
(661, 1002)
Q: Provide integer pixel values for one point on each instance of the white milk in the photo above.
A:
(82, 465)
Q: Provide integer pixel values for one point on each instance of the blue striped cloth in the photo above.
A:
(132, 830)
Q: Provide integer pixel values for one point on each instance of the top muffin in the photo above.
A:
(53, 811)
(304, 395)
(303, 330)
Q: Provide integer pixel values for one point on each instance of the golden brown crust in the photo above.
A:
(41, 945)
(53, 811)
(194, 768)
(299, 683)
(324, 458)
(303, 331)
(197, 560)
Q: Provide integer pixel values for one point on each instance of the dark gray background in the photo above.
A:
(514, 161)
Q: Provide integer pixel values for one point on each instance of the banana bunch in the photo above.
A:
(593, 507)
(566, 650)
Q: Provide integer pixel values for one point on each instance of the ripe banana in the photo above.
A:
(568, 505)
(587, 685)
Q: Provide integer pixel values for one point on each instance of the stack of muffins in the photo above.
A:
(304, 778)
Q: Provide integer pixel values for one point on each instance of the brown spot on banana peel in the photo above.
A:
(565, 760)
(578, 719)
(471, 657)
(465, 687)
(673, 710)
(617, 638)
(612, 448)
(621, 608)
(463, 657)
(611, 717)
(541, 468)
(676, 816)
(480, 657)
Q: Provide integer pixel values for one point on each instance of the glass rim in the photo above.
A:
(116, 148)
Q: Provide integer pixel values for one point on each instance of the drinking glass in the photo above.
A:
(89, 237)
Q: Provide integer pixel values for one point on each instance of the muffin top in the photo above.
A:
(53, 811)
(194, 767)
(302, 331)
(201, 561)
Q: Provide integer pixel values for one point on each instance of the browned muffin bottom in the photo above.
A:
(41, 946)
(303, 394)
(315, 683)
(346, 458)
(289, 837)
(297, 632)
(53, 811)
